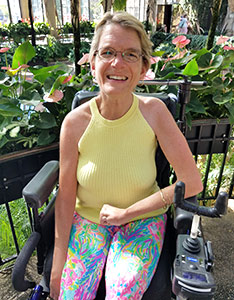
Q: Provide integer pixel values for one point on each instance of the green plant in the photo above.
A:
(56, 49)
(86, 28)
(32, 108)
(21, 224)
(216, 100)
(66, 28)
(19, 32)
(42, 28)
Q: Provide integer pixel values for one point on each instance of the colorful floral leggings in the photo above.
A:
(130, 253)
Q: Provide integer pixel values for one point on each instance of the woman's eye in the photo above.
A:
(131, 54)
(107, 52)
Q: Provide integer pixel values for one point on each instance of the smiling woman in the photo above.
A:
(110, 212)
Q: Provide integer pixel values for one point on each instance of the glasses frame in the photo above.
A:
(97, 52)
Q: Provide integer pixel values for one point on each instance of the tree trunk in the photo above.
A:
(31, 22)
(228, 26)
(51, 14)
(214, 21)
(107, 5)
(75, 6)
(151, 14)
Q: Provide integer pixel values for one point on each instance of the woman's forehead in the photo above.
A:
(115, 33)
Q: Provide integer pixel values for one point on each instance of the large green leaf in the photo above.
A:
(10, 109)
(43, 70)
(223, 98)
(23, 54)
(217, 61)
(46, 121)
(230, 108)
(195, 105)
(45, 138)
(205, 60)
(191, 68)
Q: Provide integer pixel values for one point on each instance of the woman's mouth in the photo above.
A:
(115, 77)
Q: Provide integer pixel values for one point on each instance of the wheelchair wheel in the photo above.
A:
(38, 294)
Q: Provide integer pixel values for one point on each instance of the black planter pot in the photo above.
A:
(209, 136)
(18, 168)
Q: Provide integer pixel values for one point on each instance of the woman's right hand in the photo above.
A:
(55, 280)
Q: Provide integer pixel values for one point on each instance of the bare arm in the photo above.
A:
(65, 202)
(177, 152)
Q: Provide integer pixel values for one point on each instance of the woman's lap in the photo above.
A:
(132, 252)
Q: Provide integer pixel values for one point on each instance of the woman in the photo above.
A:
(183, 25)
(110, 213)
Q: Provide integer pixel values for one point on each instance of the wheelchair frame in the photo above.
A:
(38, 190)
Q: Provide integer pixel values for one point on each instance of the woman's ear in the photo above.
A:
(143, 71)
(92, 66)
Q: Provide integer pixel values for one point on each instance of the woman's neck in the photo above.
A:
(113, 108)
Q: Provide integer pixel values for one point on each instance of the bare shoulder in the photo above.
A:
(76, 121)
(154, 111)
(152, 103)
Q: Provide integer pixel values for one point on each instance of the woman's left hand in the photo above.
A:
(110, 215)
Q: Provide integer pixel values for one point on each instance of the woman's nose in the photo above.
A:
(118, 58)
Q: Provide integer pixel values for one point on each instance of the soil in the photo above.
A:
(219, 231)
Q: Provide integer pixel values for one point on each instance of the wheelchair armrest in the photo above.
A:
(18, 273)
(37, 191)
(183, 219)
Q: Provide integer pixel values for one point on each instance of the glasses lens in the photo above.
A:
(106, 53)
(131, 55)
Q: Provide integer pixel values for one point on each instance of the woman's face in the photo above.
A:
(118, 76)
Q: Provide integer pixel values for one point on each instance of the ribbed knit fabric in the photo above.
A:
(116, 163)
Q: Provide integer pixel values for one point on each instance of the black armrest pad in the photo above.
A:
(183, 219)
(37, 191)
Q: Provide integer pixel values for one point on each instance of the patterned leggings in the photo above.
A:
(130, 252)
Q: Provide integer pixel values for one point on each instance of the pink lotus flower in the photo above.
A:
(180, 41)
(56, 96)
(67, 79)
(3, 50)
(228, 47)
(84, 59)
(154, 59)
(150, 75)
(222, 40)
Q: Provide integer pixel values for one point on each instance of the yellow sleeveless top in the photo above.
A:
(116, 163)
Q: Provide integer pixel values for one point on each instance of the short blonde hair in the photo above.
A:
(125, 20)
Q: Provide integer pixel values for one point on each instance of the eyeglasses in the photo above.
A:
(108, 54)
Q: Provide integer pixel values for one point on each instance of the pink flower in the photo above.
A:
(40, 107)
(228, 48)
(84, 59)
(154, 59)
(6, 68)
(14, 71)
(56, 96)
(150, 75)
(67, 79)
(3, 50)
(177, 56)
(180, 41)
(222, 40)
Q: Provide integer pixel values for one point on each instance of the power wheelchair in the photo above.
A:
(185, 265)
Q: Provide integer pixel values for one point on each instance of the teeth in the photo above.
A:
(117, 77)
